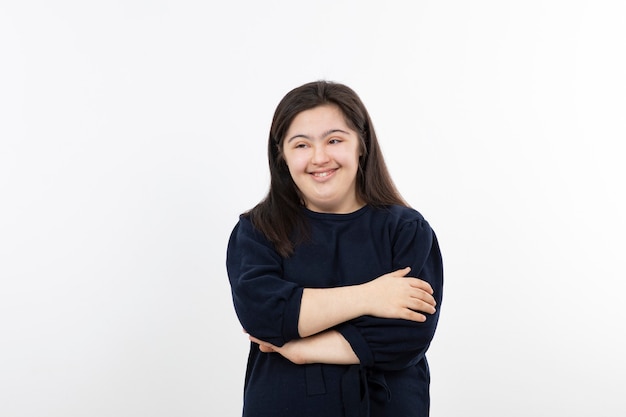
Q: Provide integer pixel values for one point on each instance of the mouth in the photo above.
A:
(323, 174)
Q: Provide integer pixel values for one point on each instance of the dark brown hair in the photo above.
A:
(279, 216)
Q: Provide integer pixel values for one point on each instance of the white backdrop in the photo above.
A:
(133, 133)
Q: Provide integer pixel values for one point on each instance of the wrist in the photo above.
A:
(299, 354)
(363, 298)
(326, 347)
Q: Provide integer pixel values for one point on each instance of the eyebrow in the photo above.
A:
(325, 134)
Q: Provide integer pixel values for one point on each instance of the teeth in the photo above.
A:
(321, 174)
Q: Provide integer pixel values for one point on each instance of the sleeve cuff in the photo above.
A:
(291, 315)
(357, 342)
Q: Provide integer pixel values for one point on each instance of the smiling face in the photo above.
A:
(322, 154)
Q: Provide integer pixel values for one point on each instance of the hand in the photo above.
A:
(396, 296)
(289, 350)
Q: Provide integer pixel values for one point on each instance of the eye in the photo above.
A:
(301, 145)
(334, 140)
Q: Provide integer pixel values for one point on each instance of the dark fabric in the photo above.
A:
(345, 249)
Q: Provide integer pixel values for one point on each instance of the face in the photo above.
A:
(322, 153)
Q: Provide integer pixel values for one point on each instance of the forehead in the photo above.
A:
(319, 118)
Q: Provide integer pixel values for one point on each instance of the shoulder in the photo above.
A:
(245, 230)
(244, 224)
(404, 224)
(404, 213)
(412, 239)
(247, 243)
(401, 216)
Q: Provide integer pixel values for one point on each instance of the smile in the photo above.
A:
(323, 174)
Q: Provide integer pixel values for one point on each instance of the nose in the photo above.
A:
(320, 156)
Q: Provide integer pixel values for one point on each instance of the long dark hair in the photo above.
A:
(279, 216)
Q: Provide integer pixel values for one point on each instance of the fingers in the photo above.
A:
(423, 306)
(420, 284)
(266, 349)
(263, 346)
(415, 282)
(408, 298)
(401, 272)
(415, 316)
(421, 294)
(422, 301)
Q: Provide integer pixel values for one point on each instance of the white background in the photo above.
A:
(133, 133)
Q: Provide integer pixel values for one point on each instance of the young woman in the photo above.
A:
(324, 271)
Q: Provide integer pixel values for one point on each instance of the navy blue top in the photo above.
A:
(345, 249)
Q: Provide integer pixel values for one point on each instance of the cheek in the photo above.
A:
(352, 158)
(295, 161)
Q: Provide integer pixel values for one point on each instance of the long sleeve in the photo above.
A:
(390, 344)
(266, 304)
(343, 250)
